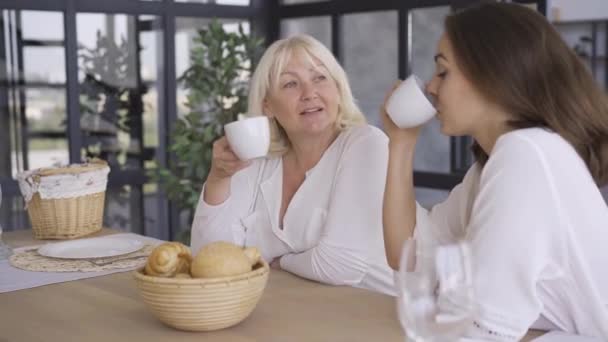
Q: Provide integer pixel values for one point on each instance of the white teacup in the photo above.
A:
(408, 105)
(249, 138)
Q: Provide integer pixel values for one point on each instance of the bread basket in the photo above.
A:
(65, 202)
(203, 304)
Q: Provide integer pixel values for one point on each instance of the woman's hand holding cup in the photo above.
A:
(245, 140)
(394, 132)
(224, 163)
(406, 108)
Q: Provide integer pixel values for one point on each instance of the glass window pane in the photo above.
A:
(13, 215)
(318, 27)
(45, 113)
(41, 25)
(433, 148)
(186, 29)
(150, 100)
(427, 198)
(150, 37)
(123, 209)
(45, 109)
(41, 100)
(47, 152)
(88, 25)
(107, 76)
(44, 64)
(118, 74)
(186, 32)
(363, 52)
(119, 60)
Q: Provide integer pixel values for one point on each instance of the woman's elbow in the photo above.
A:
(393, 261)
(348, 278)
(393, 256)
(340, 273)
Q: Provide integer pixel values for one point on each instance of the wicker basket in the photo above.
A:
(203, 304)
(66, 218)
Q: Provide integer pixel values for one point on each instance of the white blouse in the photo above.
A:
(332, 228)
(538, 230)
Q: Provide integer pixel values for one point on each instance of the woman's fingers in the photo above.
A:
(396, 134)
(222, 149)
(386, 121)
(390, 92)
(231, 167)
(225, 163)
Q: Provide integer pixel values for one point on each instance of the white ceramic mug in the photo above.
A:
(249, 138)
(408, 105)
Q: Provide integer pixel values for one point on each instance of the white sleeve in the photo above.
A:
(514, 224)
(353, 227)
(222, 222)
(445, 223)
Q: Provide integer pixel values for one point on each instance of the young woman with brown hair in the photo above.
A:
(529, 208)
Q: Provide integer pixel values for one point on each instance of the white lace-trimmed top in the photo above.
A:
(538, 229)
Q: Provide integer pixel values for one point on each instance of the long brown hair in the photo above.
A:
(515, 58)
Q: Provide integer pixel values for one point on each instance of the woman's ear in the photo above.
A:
(266, 109)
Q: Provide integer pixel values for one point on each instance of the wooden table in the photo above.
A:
(109, 309)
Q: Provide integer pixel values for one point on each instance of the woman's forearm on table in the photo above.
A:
(327, 265)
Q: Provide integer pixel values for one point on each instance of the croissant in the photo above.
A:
(222, 259)
(168, 259)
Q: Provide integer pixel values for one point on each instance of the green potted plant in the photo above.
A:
(217, 84)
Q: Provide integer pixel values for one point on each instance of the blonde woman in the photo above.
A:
(314, 205)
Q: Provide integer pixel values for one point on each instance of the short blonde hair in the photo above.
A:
(272, 64)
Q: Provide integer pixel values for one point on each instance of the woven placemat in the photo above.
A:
(30, 260)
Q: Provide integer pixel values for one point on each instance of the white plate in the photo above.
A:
(101, 247)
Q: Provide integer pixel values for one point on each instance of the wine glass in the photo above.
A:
(436, 301)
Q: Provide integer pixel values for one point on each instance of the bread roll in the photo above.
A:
(222, 259)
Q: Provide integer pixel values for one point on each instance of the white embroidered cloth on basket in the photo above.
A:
(63, 185)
